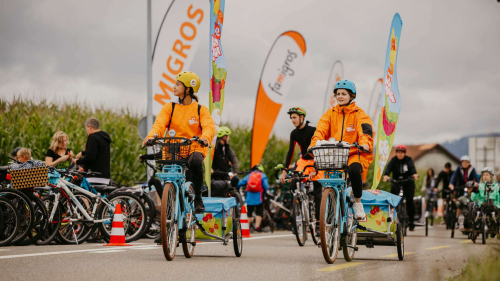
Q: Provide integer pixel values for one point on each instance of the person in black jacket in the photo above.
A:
(445, 177)
(403, 166)
(96, 156)
(225, 159)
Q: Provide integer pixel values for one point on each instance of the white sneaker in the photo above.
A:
(359, 212)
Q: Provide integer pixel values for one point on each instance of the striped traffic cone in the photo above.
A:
(245, 228)
(117, 232)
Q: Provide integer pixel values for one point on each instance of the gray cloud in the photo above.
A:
(448, 64)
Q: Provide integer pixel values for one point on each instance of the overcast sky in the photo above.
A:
(95, 51)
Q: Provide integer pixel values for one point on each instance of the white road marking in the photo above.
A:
(109, 251)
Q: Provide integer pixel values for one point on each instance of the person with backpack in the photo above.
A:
(257, 184)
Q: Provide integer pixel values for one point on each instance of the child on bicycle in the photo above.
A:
(348, 122)
(479, 191)
(187, 119)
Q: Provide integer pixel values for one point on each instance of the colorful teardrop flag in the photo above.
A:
(281, 66)
(217, 74)
(390, 103)
(175, 46)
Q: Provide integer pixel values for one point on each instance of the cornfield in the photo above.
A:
(26, 123)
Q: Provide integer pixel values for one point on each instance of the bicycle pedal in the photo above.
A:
(193, 244)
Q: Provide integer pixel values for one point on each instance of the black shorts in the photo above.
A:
(259, 210)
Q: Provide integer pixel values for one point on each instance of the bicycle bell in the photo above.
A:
(172, 133)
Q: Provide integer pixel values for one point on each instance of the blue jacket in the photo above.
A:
(254, 198)
(458, 178)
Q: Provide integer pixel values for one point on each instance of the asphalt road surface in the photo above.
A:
(266, 256)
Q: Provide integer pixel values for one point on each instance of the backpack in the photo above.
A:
(255, 182)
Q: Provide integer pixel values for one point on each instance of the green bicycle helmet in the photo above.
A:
(258, 167)
(298, 110)
(223, 131)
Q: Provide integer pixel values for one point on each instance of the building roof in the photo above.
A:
(417, 151)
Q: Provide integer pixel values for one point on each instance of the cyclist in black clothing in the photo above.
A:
(302, 134)
(403, 166)
(445, 177)
(224, 158)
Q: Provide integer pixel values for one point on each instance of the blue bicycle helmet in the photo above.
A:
(345, 84)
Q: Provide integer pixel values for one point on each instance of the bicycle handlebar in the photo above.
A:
(154, 141)
(400, 180)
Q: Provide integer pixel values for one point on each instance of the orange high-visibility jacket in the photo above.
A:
(347, 123)
(186, 123)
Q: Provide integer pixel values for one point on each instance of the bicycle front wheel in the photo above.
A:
(54, 224)
(10, 221)
(329, 226)
(169, 225)
(299, 220)
(40, 221)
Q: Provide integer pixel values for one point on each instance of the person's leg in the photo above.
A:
(250, 210)
(157, 184)
(259, 211)
(355, 170)
(409, 193)
(195, 164)
(318, 190)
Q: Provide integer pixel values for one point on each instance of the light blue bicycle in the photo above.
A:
(178, 221)
(338, 227)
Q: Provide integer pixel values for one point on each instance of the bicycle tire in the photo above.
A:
(330, 238)
(40, 221)
(453, 228)
(299, 221)
(400, 242)
(133, 211)
(483, 230)
(237, 237)
(312, 222)
(189, 233)
(169, 229)
(53, 225)
(426, 226)
(350, 240)
(10, 221)
(76, 232)
(26, 212)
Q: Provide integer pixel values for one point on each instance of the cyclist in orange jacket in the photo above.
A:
(348, 122)
(188, 119)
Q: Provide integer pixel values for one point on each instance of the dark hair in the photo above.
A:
(447, 165)
(428, 181)
(191, 93)
(351, 94)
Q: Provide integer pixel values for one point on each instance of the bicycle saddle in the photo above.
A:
(104, 188)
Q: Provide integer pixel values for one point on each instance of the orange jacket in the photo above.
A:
(347, 123)
(186, 123)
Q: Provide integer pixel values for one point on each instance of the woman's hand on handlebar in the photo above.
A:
(365, 147)
(145, 140)
(283, 176)
(386, 178)
(312, 175)
(204, 140)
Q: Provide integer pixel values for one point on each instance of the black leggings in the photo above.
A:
(355, 170)
(194, 173)
(408, 193)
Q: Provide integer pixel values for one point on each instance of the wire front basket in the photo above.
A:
(172, 151)
(331, 156)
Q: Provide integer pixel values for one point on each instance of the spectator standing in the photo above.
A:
(257, 185)
(96, 156)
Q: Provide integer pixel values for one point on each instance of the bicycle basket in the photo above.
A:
(29, 178)
(331, 156)
(172, 151)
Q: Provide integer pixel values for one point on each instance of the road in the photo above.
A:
(269, 256)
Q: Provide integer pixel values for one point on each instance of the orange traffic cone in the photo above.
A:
(117, 232)
(245, 229)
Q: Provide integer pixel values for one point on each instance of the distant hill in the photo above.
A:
(460, 147)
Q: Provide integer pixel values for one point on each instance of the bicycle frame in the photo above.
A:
(334, 180)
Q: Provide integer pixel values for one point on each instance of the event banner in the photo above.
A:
(217, 74)
(336, 73)
(175, 46)
(390, 102)
(281, 66)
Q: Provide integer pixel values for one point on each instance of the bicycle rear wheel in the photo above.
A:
(153, 231)
(237, 237)
(328, 225)
(10, 221)
(133, 212)
(188, 235)
(299, 220)
(169, 226)
(40, 221)
(54, 224)
(75, 232)
(26, 213)
(350, 241)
